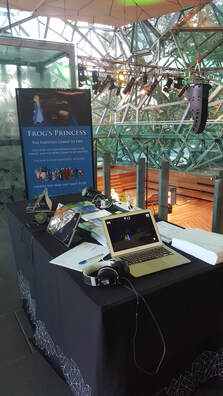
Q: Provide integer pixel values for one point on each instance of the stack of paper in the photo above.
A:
(168, 231)
(207, 246)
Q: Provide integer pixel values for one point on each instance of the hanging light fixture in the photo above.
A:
(104, 83)
(128, 88)
(144, 78)
(168, 85)
(81, 74)
(118, 90)
(96, 83)
(144, 87)
(178, 83)
(149, 90)
(182, 91)
(121, 77)
(185, 87)
(112, 84)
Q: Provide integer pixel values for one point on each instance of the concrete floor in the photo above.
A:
(23, 370)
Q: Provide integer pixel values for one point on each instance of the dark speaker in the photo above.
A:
(199, 105)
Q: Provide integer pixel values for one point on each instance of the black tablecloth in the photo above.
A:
(90, 333)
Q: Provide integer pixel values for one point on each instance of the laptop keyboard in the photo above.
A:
(140, 257)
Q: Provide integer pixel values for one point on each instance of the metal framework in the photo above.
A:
(155, 125)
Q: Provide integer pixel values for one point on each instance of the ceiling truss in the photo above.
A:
(129, 126)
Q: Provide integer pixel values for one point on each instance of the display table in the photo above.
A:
(88, 332)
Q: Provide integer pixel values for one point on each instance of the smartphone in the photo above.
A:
(67, 232)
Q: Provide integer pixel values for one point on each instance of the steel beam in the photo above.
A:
(107, 174)
(140, 183)
(152, 28)
(206, 29)
(187, 17)
(179, 49)
(163, 190)
(217, 221)
(95, 165)
(18, 23)
(72, 67)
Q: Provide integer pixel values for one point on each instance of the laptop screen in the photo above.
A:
(131, 231)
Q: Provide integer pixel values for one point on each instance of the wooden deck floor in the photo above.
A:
(192, 213)
(188, 212)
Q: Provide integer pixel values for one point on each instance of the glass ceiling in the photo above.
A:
(160, 47)
(26, 56)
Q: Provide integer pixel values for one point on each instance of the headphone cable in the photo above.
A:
(138, 295)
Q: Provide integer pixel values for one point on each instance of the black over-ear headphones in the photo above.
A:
(105, 275)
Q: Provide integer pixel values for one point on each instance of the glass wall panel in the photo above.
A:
(26, 68)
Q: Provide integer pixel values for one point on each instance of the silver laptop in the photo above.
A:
(134, 238)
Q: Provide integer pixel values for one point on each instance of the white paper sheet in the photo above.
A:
(85, 251)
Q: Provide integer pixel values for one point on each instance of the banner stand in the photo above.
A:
(56, 137)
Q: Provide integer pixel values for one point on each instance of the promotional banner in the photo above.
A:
(56, 134)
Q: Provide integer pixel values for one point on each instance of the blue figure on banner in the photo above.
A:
(38, 117)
